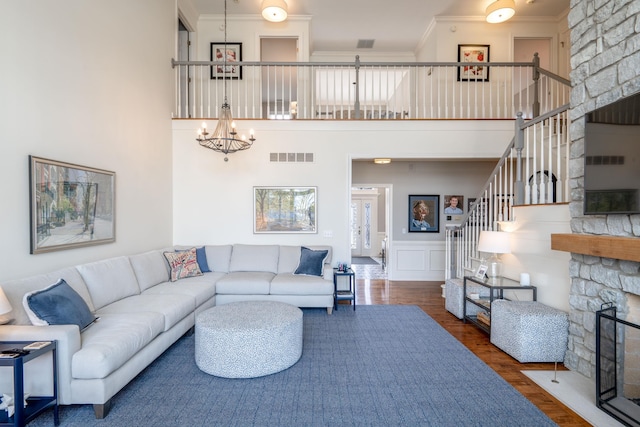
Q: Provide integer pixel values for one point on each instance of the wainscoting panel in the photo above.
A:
(417, 261)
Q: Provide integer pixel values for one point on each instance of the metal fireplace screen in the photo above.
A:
(612, 335)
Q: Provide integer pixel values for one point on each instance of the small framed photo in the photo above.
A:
(473, 54)
(231, 70)
(453, 204)
(481, 272)
(424, 214)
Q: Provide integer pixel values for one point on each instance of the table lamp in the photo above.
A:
(494, 242)
(5, 308)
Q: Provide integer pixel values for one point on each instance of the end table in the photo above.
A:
(35, 404)
(344, 294)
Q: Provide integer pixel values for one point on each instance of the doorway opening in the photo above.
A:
(369, 225)
(279, 84)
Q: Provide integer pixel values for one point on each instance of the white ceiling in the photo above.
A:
(337, 25)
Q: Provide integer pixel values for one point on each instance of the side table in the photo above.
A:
(344, 294)
(35, 404)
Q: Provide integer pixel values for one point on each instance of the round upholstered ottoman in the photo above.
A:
(248, 339)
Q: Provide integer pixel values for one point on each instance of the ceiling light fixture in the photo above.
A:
(381, 161)
(274, 10)
(500, 11)
(225, 137)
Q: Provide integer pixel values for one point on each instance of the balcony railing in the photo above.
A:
(358, 90)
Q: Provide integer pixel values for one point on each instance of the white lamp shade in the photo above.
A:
(496, 242)
(500, 11)
(274, 10)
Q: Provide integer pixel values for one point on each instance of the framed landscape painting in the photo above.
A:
(474, 55)
(285, 209)
(71, 206)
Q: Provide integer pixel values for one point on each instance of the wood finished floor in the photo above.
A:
(428, 296)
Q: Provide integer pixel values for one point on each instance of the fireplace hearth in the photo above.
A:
(617, 366)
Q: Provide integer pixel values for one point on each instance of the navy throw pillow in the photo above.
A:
(59, 304)
(311, 262)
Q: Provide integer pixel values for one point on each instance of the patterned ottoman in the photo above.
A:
(529, 331)
(248, 339)
(454, 298)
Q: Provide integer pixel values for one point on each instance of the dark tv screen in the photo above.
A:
(612, 158)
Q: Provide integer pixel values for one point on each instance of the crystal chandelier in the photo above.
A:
(224, 138)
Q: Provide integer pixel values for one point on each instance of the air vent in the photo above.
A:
(605, 160)
(291, 157)
(365, 43)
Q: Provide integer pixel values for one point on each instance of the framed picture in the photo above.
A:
(482, 270)
(233, 52)
(424, 214)
(473, 54)
(453, 205)
(70, 205)
(285, 209)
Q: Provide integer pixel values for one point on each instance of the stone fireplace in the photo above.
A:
(605, 62)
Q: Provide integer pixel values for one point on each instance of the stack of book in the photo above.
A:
(483, 317)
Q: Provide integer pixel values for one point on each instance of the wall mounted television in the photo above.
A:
(612, 158)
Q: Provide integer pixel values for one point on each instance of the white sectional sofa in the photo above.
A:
(141, 312)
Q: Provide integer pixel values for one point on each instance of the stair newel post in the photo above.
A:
(519, 145)
(536, 85)
(356, 104)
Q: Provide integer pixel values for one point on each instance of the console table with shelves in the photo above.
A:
(497, 287)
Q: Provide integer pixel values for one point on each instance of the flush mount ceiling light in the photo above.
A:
(500, 11)
(381, 161)
(274, 10)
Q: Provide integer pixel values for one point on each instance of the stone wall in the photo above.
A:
(605, 63)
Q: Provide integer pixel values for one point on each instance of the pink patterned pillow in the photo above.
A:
(183, 264)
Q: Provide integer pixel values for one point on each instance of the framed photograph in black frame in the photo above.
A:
(424, 214)
(474, 54)
(234, 54)
(71, 206)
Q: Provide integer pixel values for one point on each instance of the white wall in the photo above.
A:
(213, 199)
(88, 83)
(531, 251)
(449, 32)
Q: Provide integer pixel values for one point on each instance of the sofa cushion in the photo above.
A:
(311, 262)
(15, 290)
(183, 264)
(218, 257)
(245, 283)
(150, 269)
(202, 288)
(57, 304)
(112, 341)
(174, 307)
(262, 258)
(109, 280)
(295, 284)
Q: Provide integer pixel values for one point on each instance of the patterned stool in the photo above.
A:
(454, 298)
(248, 339)
(529, 331)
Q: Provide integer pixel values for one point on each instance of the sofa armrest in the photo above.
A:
(68, 343)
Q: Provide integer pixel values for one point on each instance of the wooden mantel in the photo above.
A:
(625, 248)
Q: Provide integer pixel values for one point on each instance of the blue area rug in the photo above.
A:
(377, 366)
